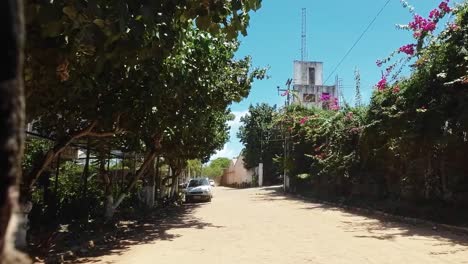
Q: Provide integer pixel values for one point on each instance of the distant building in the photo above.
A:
(237, 175)
(308, 85)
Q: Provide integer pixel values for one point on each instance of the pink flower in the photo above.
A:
(429, 26)
(325, 97)
(434, 14)
(396, 89)
(454, 26)
(334, 104)
(417, 22)
(444, 6)
(382, 84)
(420, 24)
(407, 49)
(303, 120)
(379, 63)
(285, 93)
(349, 116)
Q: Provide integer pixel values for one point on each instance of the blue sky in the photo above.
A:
(274, 40)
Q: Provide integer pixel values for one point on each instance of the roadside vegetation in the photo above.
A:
(406, 150)
(139, 90)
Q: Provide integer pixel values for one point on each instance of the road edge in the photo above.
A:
(399, 218)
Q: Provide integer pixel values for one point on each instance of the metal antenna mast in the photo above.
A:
(358, 98)
(304, 35)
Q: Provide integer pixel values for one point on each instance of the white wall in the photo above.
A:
(237, 173)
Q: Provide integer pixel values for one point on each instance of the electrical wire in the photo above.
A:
(359, 39)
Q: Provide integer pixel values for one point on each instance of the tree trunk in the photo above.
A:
(11, 124)
(109, 208)
(107, 180)
(85, 177)
(52, 154)
(146, 163)
(149, 188)
(158, 179)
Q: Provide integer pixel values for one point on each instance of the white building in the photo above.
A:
(308, 84)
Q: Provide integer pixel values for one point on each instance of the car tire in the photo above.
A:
(188, 200)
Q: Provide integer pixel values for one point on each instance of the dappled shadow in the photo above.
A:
(135, 230)
(366, 224)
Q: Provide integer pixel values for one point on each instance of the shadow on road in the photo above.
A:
(135, 230)
(369, 225)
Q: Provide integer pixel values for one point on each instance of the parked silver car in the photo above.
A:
(198, 189)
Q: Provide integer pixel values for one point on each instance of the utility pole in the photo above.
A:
(286, 136)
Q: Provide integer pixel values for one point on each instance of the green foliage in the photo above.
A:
(410, 142)
(216, 167)
(195, 166)
(262, 140)
(34, 149)
(140, 76)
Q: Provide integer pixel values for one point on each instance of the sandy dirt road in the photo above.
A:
(263, 226)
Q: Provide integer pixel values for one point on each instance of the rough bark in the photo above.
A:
(11, 124)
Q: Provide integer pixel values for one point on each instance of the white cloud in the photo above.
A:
(235, 124)
(225, 152)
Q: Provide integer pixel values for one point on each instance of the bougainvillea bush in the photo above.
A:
(411, 142)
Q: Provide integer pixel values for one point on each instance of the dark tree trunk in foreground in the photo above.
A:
(11, 124)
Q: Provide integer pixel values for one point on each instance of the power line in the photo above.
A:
(359, 39)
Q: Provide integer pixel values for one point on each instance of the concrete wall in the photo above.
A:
(301, 72)
(237, 173)
(302, 86)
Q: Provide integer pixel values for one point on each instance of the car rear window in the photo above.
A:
(198, 182)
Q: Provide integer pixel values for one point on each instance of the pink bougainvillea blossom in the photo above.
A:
(329, 101)
(434, 14)
(382, 84)
(422, 25)
(334, 104)
(285, 93)
(396, 89)
(444, 6)
(325, 97)
(454, 26)
(407, 49)
(303, 120)
(429, 26)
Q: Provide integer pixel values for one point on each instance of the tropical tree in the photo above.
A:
(262, 140)
(216, 167)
